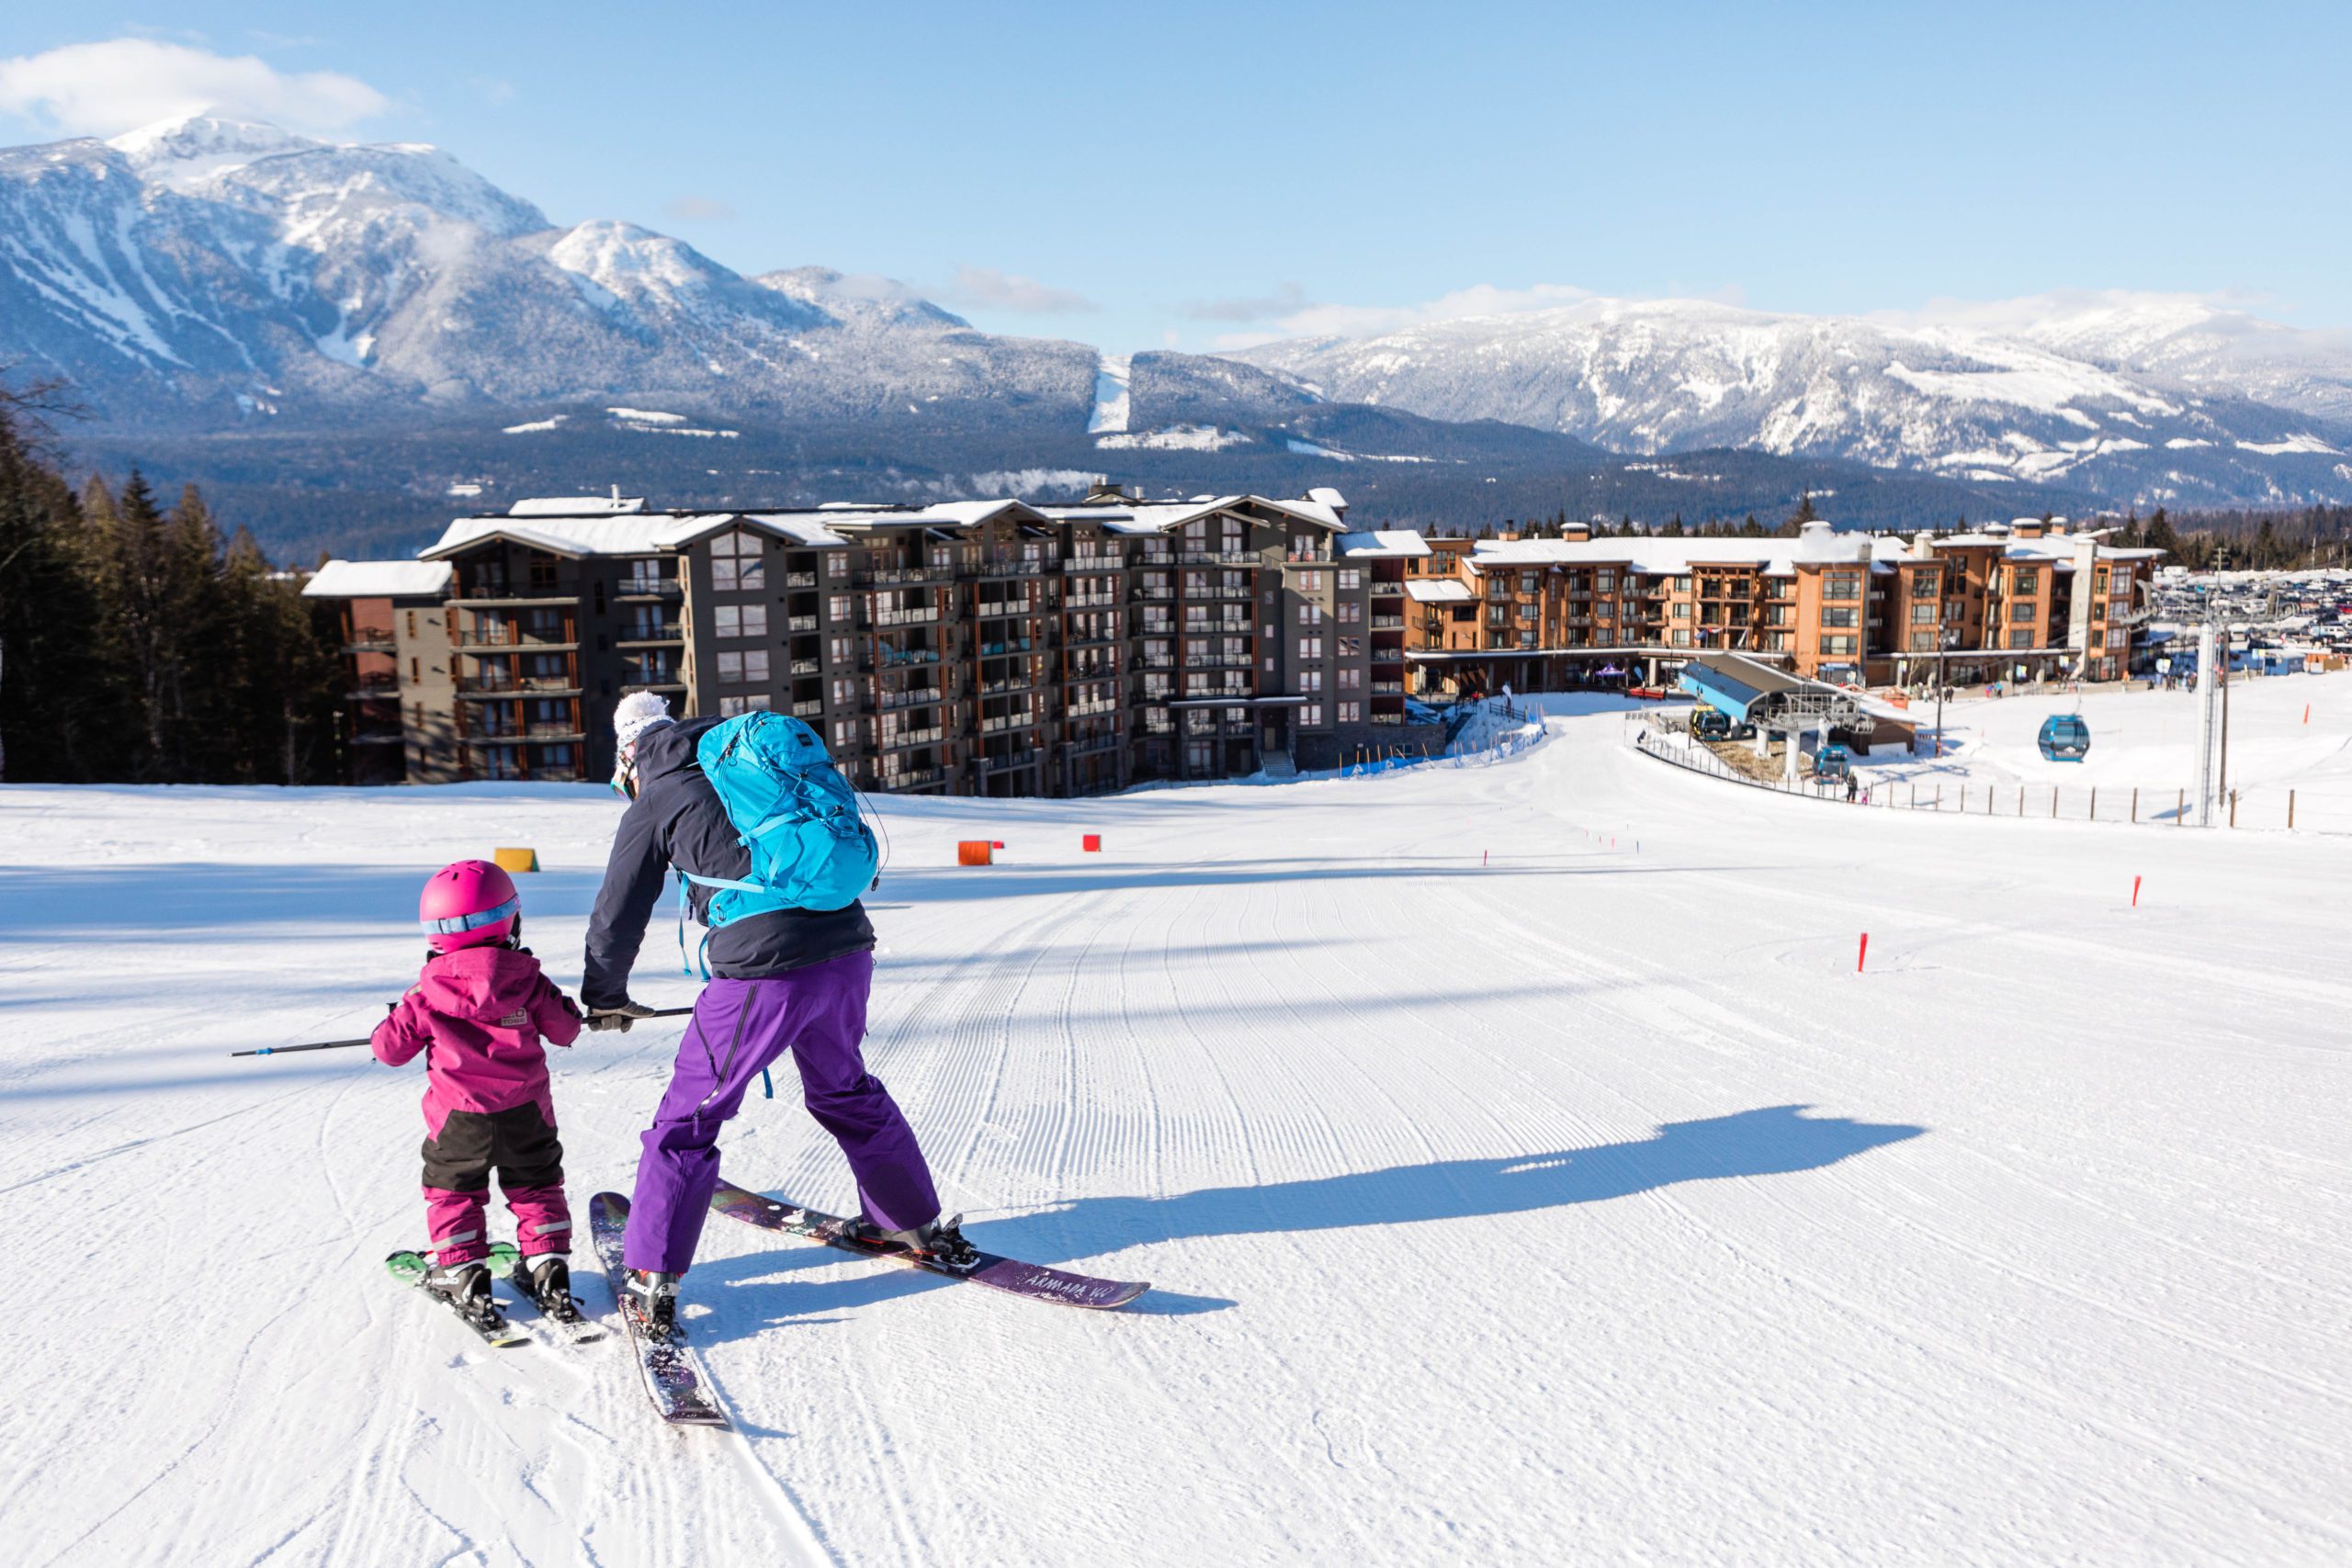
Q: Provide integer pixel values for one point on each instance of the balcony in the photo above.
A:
(1097, 705)
(1091, 601)
(502, 639)
(912, 778)
(1387, 590)
(1092, 745)
(370, 640)
(1219, 557)
(1011, 721)
(1009, 610)
(651, 636)
(1388, 623)
(1026, 757)
(905, 616)
(899, 740)
(1144, 591)
(897, 574)
(805, 667)
(642, 589)
(990, 570)
(1078, 564)
(921, 696)
(374, 685)
(800, 580)
(997, 649)
(1217, 662)
(491, 596)
(480, 686)
(1388, 688)
(808, 710)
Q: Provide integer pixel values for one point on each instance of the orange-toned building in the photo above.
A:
(2026, 598)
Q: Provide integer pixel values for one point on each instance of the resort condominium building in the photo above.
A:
(1854, 607)
(968, 647)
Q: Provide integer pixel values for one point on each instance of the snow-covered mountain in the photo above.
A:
(209, 271)
(2132, 397)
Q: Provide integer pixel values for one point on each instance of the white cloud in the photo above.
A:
(1370, 320)
(985, 289)
(1285, 299)
(99, 89)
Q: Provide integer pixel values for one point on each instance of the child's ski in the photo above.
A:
(494, 1326)
(673, 1380)
(572, 1326)
(998, 1274)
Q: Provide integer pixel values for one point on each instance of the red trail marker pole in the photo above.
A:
(2135, 892)
(1863, 955)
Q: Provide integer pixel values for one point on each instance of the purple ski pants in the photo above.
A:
(740, 1027)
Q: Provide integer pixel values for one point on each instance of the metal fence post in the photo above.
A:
(2180, 810)
(2233, 809)
(2291, 809)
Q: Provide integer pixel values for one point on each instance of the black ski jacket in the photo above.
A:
(677, 820)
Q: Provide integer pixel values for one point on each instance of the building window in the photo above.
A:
(2025, 579)
(1928, 583)
(1310, 614)
(731, 667)
(1841, 585)
(1350, 611)
(1923, 642)
(836, 566)
(755, 666)
(840, 606)
(2022, 637)
(844, 729)
(1350, 713)
(2022, 611)
(2098, 637)
(1351, 579)
(1348, 677)
(735, 562)
(1834, 615)
(1837, 644)
(1310, 647)
(1310, 582)
(412, 625)
(1681, 612)
(1923, 614)
(1681, 638)
(1311, 715)
(1310, 680)
(542, 569)
(845, 693)
(740, 620)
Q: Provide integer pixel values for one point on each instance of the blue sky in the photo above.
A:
(1144, 174)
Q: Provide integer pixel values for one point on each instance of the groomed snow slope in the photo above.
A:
(1585, 1204)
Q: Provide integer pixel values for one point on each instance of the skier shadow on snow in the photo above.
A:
(1777, 1140)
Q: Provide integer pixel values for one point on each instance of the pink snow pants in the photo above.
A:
(522, 1148)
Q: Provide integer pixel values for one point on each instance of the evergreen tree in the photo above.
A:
(59, 698)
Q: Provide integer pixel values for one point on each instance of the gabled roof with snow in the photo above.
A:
(379, 579)
(799, 528)
(624, 534)
(1383, 542)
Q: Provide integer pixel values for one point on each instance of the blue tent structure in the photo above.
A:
(2065, 738)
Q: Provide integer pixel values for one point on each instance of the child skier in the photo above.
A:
(479, 1011)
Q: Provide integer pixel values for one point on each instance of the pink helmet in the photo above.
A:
(467, 904)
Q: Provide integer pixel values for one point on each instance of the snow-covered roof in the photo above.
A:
(577, 506)
(798, 528)
(1383, 542)
(379, 579)
(620, 535)
(1436, 590)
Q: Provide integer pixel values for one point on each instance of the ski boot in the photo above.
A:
(466, 1287)
(939, 1241)
(652, 1301)
(546, 1279)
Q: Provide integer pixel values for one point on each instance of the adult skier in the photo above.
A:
(784, 980)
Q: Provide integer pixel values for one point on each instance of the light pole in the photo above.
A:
(1946, 640)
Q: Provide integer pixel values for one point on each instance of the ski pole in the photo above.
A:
(281, 1050)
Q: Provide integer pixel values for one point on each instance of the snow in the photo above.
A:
(379, 579)
(1436, 590)
(1176, 438)
(1575, 1202)
(2303, 442)
(1112, 373)
(550, 422)
(1383, 542)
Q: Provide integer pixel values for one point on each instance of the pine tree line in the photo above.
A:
(139, 643)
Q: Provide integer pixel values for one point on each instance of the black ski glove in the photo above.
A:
(620, 1017)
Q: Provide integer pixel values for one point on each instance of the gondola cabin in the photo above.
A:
(1832, 762)
(2065, 738)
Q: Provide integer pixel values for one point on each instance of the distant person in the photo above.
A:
(1852, 784)
(787, 979)
(479, 1011)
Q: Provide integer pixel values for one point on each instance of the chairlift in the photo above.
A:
(2065, 738)
(1832, 762)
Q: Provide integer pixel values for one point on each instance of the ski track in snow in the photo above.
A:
(1582, 1197)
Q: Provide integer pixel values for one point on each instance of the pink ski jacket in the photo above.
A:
(479, 1014)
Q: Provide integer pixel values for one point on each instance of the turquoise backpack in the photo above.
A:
(810, 849)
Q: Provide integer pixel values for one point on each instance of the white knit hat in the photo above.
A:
(637, 712)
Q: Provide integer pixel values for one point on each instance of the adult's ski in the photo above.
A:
(999, 1274)
(493, 1325)
(673, 1380)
